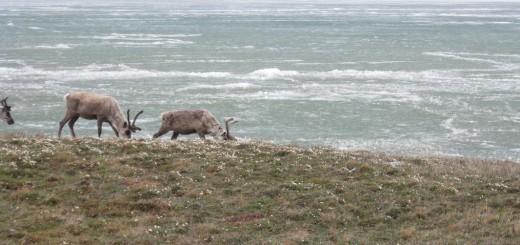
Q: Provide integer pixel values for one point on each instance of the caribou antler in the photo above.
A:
(135, 118)
(132, 125)
(4, 102)
(229, 122)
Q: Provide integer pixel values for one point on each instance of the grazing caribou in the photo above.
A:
(92, 106)
(6, 112)
(201, 122)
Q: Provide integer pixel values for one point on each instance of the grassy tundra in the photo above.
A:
(110, 191)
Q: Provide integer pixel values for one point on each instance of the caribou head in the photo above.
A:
(131, 128)
(6, 112)
(227, 135)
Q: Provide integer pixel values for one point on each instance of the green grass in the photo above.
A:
(92, 191)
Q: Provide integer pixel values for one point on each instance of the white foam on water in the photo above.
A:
(427, 75)
(144, 39)
(101, 72)
(151, 44)
(209, 61)
(142, 36)
(227, 86)
(400, 146)
(18, 62)
(474, 23)
(345, 84)
(476, 57)
(404, 86)
(275, 95)
(271, 73)
(346, 92)
(448, 124)
(56, 46)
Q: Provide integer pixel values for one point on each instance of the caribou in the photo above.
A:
(92, 106)
(6, 112)
(201, 122)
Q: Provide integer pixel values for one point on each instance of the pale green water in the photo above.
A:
(411, 79)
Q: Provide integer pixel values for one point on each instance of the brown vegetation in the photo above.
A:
(95, 191)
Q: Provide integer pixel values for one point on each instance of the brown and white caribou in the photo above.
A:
(201, 122)
(102, 108)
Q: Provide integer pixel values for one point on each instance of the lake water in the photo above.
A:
(399, 78)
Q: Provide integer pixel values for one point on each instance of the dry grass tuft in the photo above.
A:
(407, 234)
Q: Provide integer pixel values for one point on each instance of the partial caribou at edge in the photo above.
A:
(6, 112)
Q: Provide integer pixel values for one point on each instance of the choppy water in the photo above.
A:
(400, 78)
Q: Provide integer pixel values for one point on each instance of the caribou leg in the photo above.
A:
(62, 124)
(175, 135)
(67, 118)
(99, 126)
(113, 128)
(161, 132)
(71, 125)
(201, 135)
